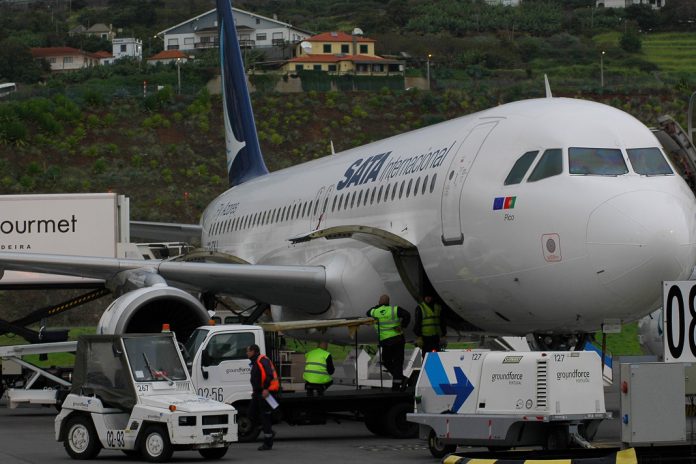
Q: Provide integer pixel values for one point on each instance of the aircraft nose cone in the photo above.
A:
(639, 239)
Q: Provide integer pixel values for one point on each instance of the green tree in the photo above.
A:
(631, 41)
(17, 64)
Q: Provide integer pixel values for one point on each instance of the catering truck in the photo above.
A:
(502, 400)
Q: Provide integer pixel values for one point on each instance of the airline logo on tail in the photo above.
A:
(244, 158)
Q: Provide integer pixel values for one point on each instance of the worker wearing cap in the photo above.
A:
(429, 325)
(318, 369)
(391, 322)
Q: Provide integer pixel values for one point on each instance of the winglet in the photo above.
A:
(547, 86)
(244, 158)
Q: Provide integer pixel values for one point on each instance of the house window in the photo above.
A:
(67, 59)
(345, 48)
(189, 40)
(363, 49)
(317, 67)
(52, 59)
(258, 20)
(172, 44)
(332, 68)
(204, 39)
(123, 48)
(261, 36)
(327, 48)
(299, 67)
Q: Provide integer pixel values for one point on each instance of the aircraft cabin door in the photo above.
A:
(454, 183)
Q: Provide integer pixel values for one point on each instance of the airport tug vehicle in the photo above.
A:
(133, 393)
(502, 400)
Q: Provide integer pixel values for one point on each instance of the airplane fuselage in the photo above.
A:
(541, 250)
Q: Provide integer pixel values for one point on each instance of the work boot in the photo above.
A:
(267, 442)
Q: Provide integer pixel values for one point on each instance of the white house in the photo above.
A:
(253, 31)
(65, 58)
(624, 3)
(127, 47)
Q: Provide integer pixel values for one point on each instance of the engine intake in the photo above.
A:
(146, 309)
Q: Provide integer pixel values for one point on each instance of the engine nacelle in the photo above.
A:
(145, 310)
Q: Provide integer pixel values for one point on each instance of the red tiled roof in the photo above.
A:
(334, 58)
(337, 37)
(102, 54)
(56, 51)
(168, 55)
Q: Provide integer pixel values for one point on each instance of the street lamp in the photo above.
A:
(427, 68)
(178, 74)
(601, 68)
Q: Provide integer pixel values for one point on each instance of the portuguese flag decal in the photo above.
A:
(504, 203)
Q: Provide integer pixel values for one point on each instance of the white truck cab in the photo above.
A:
(133, 393)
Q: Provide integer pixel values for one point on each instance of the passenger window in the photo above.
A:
(360, 197)
(596, 161)
(386, 193)
(379, 194)
(326, 202)
(408, 190)
(550, 164)
(425, 185)
(415, 187)
(352, 200)
(649, 162)
(316, 206)
(520, 168)
(432, 183)
(367, 194)
(401, 190)
(394, 192)
(304, 209)
(333, 205)
(372, 197)
(282, 215)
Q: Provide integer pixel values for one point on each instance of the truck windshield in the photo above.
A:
(194, 342)
(154, 359)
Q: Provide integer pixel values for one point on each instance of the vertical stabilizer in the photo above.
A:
(244, 159)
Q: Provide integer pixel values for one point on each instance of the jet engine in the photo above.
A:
(145, 310)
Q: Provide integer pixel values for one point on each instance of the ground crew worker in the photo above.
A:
(318, 369)
(264, 381)
(391, 322)
(430, 325)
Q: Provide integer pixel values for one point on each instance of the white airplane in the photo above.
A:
(546, 216)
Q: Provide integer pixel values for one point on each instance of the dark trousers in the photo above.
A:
(393, 359)
(430, 343)
(261, 411)
(319, 388)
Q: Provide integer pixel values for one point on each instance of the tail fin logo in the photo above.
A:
(244, 159)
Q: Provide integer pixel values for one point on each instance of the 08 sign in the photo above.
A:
(679, 304)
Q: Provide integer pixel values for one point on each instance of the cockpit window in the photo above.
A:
(550, 164)
(649, 162)
(596, 161)
(520, 168)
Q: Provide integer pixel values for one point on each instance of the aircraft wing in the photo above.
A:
(301, 287)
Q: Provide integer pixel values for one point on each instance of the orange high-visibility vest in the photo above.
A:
(275, 383)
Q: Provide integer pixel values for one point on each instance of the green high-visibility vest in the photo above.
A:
(388, 324)
(431, 319)
(315, 367)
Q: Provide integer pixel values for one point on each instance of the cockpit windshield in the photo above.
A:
(596, 161)
(649, 162)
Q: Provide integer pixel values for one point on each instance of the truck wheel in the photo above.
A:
(247, 431)
(81, 440)
(397, 425)
(438, 449)
(375, 423)
(155, 445)
(213, 453)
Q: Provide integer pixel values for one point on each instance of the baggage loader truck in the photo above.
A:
(502, 400)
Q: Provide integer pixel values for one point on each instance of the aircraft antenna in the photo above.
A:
(547, 86)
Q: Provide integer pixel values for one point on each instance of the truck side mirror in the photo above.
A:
(205, 362)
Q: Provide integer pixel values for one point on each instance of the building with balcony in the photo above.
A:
(65, 58)
(253, 31)
(341, 53)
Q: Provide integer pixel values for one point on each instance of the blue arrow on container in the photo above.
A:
(441, 384)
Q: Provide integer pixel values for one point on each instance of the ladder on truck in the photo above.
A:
(26, 394)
